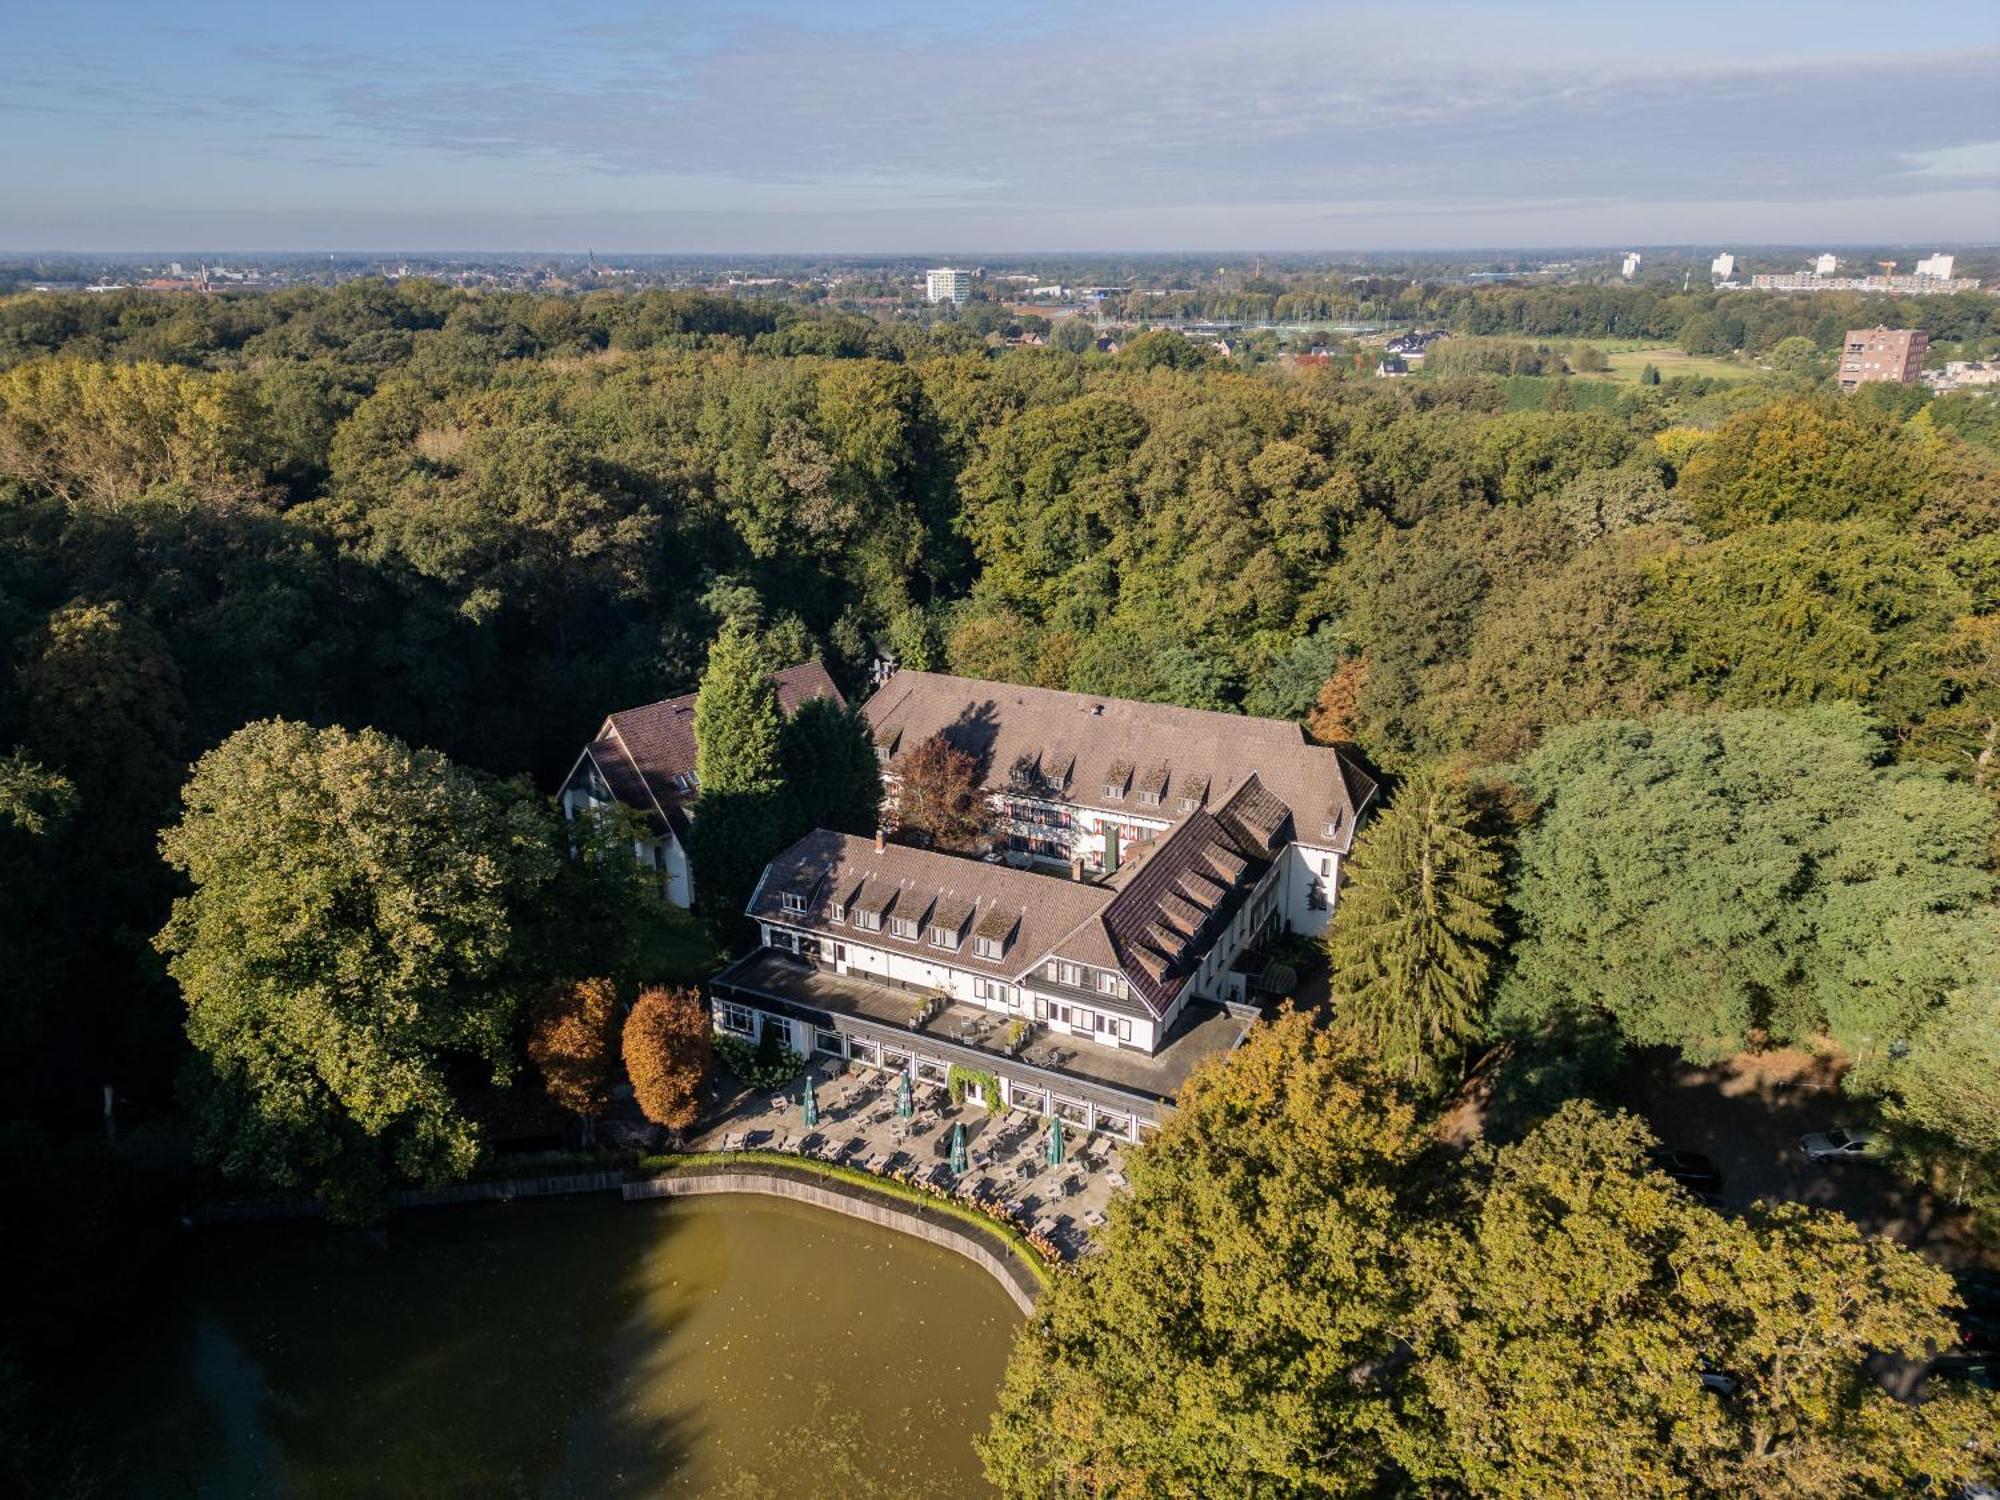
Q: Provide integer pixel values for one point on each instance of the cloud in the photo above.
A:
(1149, 116)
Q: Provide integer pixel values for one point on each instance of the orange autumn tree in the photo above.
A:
(938, 800)
(569, 1039)
(668, 1038)
(1337, 709)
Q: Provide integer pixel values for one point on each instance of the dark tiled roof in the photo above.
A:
(1083, 741)
(641, 752)
(1178, 882)
(906, 882)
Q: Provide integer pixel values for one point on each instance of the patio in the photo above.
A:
(1007, 1171)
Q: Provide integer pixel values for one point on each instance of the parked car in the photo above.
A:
(1844, 1145)
(1979, 1324)
(1690, 1169)
(1974, 1369)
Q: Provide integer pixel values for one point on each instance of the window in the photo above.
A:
(840, 953)
(1082, 1019)
(1070, 974)
(794, 902)
(734, 1017)
(943, 937)
(1114, 791)
(868, 921)
(1149, 799)
(903, 927)
(1110, 984)
(836, 913)
(781, 940)
(828, 1041)
(1189, 804)
(986, 947)
(993, 990)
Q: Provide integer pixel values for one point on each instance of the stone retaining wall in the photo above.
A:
(1003, 1265)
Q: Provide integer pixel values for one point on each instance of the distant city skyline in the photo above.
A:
(884, 127)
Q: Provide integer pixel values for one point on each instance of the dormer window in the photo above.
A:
(1110, 984)
(794, 903)
(1189, 804)
(943, 937)
(836, 912)
(1116, 780)
(903, 927)
(986, 947)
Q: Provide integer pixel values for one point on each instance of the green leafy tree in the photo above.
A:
(1412, 941)
(1697, 877)
(1566, 1315)
(1217, 1344)
(739, 820)
(1804, 458)
(1805, 612)
(736, 716)
(833, 778)
(343, 950)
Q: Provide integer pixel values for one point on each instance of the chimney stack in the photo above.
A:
(881, 843)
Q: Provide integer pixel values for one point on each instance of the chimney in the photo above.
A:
(881, 843)
(1076, 869)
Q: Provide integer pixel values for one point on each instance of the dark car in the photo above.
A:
(1979, 1324)
(1973, 1369)
(1690, 1169)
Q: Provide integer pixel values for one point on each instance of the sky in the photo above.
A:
(879, 126)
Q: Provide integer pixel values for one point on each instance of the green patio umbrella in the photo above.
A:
(904, 1105)
(1055, 1141)
(958, 1149)
(812, 1105)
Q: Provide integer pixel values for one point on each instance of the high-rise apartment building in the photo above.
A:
(1875, 354)
(948, 284)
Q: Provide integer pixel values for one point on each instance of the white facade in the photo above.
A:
(948, 284)
(1939, 266)
(663, 854)
(1825, 265)
(1723, 266)
(1633, 259)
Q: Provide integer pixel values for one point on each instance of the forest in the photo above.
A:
(1710, 672)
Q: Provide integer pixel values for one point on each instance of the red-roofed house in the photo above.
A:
(644, 759)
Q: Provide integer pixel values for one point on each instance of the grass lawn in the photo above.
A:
(1627, 362)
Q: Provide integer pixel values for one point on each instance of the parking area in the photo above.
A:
(1748, 1113)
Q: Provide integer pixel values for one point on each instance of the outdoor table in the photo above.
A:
(1116, 1178)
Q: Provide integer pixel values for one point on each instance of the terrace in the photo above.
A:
(1120, 1080)
(1008, 1174)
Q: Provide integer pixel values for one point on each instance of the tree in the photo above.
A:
(668, 1038)
(1567, 1310)
(1696, 878)
(833, 778)
(1412, 943)
(569, 1039)
(1338, 703)
(1805, 612)
(1947, 1080)
(938, 798)
(1804, 458)
(736, 716)
(1214, 1345)
(738, 823)
(344, 951)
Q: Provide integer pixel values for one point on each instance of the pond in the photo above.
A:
(730, 1346)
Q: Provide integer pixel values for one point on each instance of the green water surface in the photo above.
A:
(734, 1346)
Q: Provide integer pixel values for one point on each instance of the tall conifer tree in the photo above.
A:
(1412, 940)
